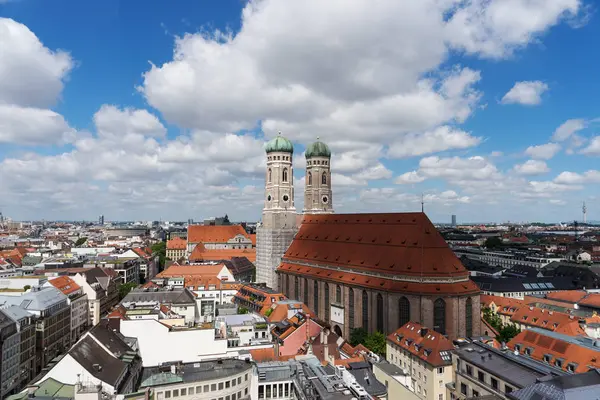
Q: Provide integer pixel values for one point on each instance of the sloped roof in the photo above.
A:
(175, 296)
(65, 284)
(506, 305)
(541, 318)
(200, 253)
(568, 296)
(570, 350)
(405, 244)
(214, 233)
(191, 270)
(429, 345)
(176, 243)
(88, 353)
(591, 300)
(567, 387)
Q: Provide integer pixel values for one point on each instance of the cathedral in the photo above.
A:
(375, 271)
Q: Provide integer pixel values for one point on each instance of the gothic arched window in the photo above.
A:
(338, 294)
(365, 310)
(326, 302)
(324, 178)
(285, 175)
(309, 178)
(296, 287)
(351, 308)
(305, 291)
(439, 316)
(316, 297)
(469, 317)
(380, 313)
(270, 175)
(403, 311)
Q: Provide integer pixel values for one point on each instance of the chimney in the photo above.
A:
(31, 391)
(322, 335)
(173, 369)
(424, 332)
(147, 394)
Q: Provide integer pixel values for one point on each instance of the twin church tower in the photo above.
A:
(279, 218)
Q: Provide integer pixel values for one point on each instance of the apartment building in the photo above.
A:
(425, 355)
(78, 300)
(15, 379)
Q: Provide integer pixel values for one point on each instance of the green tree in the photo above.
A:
(493, 242)
(26, 287)
(242, 310)
(507, 333)
(126, 288)
(358, 336)
(160, 248)
(80, 241)
(376, 343)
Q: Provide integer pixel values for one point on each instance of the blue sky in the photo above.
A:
(141, 110)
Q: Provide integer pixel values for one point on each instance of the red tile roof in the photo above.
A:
(591, 300)
(214, 233)
(583, 357)
(176, 244)
(65, 284)
(200, 253)
(541, 318)
(568, 296)
(430, 346)
(280, 311)
(504, 305)
(404, 244)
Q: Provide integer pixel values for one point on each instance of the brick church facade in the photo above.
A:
(379, 271)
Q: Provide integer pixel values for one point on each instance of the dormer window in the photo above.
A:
(571, 367)
(518, 347)
(528, 351)
(558, 362)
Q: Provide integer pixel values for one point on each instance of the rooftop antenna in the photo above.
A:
(422, 203)
(584, 209)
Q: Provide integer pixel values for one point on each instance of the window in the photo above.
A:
(324, 178)
(213, 387)
(365, 310)
(198, 389)
(507, 389)
(246, 378)
(469, 317)
(296, 295)
(233, 382)
(494, 383)
(338, 294)
(205, 388)
(440, 370)
(380, 313)
(261, 392)
(481, 376)
(439, 316)
(463, 389)
(403, 311)
(305, 291)
(309, 178)
(176, 393)
(316, 297)
(184, 392)
(220, 385)
(558, 363)
(270, 175)
(475, 393)
(441, 396)
(246, 392)
(469, 370)
(326, 302)
(167, 394)
(440, 383)
(285, 175)
(351, 308)
(268, 392)
(239, 380)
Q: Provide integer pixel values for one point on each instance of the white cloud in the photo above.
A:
(574, 178)
(567, 129)
(409, 178)
(532, 167)
(110, 120)
(440, 139)
(557, 202)
(31, 75)
(528, 93)
(593, 148)
(33, 126)
(543, 151)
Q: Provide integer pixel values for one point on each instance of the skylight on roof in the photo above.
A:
(527, 286)
(535, 286)
(550, 285)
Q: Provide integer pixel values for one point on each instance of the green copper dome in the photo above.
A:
(317, 149)
(279, 143)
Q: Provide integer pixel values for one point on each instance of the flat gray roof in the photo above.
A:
(199, 371)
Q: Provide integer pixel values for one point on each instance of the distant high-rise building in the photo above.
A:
(101, 220)
(190, 221)
(453, 220)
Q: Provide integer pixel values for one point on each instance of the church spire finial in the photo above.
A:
(279, 133)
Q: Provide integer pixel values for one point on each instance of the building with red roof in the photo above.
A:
(378, 271)
(218, 237)
(423, 354)
(176, 248)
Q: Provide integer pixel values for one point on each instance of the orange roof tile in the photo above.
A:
(582, 357)
(430, 346)
(262, 355)
(65, 284)
(568, 296)
(177, 270)
(214, 233)
(280, 311)
(504, 305)
(591, 300)
(253, 238)
(118, 312)
(176, 243)
(200, 253)
(541, 318)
